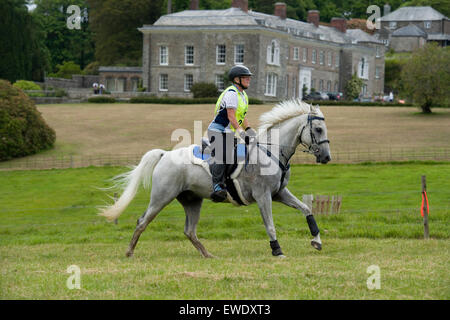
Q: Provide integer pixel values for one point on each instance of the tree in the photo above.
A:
(22, 53)
(115, 25)
(426, 76)
(65, 44)
(353, 87)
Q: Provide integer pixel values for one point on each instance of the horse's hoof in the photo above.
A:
(316, 245)
(281, 256)
(129, 254)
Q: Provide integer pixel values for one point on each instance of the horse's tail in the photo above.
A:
(130, 182)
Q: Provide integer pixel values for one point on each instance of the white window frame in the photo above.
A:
(296, 53)
(314, 56)
(329, 86)
(188, 82)
(363, 68)
(188, 55)
(330, 58)
(392, 25)
(239, 53)
(305, 54)
(336, 60)
(377, 72)
(220, 82)
(163, 55)
(427, 24)
(273, 53)
(164, 79)
(321, 57)
(271, 84)
(377, 51)
(221, 54)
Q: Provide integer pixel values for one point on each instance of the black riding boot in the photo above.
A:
(218, 176)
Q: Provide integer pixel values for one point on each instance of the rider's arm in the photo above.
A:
(245, 124)
(231, 112)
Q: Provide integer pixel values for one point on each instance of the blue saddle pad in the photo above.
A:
(197, 151)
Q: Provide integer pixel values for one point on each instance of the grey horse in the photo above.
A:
(170, 174)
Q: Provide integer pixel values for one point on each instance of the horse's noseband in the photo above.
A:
(314, 147)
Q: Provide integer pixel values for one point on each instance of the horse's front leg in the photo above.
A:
(264, 200)
(286, 197)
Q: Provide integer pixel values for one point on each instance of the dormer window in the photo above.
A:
(427, 24)
(392, 24)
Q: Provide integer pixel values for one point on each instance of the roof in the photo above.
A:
(414, 14)
(410, 30)
(236, 18)
(362, 36)
(439, 36)
(119, 69)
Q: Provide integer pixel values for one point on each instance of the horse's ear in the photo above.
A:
(317, 106)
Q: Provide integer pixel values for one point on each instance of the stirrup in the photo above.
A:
(219, 195)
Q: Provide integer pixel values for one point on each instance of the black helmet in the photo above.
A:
(238, 71)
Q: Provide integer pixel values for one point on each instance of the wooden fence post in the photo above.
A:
(424, 208)
(115, 199)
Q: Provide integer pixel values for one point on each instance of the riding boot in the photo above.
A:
(218, 177)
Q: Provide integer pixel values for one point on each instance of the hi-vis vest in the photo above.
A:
(241, 111)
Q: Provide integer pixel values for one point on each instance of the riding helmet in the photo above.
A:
(239, 71)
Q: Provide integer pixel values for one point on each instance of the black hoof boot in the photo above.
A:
(316, 245)
(276, 249)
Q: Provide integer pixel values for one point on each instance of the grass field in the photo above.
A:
(48, 223)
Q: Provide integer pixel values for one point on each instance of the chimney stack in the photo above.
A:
(386, 9)
(314, 17)
(339, 24)
(241, 4)
(194, 5)
(280, 10)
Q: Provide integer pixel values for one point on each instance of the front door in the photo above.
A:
(304, 77)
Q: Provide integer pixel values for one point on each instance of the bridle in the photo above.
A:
(313, 148)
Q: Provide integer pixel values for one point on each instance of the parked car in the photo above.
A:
(313, 96)
(324, 96)
(336, 96)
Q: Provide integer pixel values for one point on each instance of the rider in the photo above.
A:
(231, 109)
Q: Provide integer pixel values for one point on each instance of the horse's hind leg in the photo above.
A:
(158, 201)
(192, 205)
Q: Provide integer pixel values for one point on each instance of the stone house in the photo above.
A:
(409, 28)
(120, 79)
(285, 55)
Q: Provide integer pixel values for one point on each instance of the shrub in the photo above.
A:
(66, 70)
(101, 100)
(23, 131)
(26, 85)
(353, 87)
(204, 90)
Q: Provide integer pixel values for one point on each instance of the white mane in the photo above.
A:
(286, 110)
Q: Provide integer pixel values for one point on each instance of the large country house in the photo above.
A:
(409, 28)
(285, 55)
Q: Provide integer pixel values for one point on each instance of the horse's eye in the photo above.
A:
(319, 130)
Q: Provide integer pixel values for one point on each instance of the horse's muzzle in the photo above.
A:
(323, 159)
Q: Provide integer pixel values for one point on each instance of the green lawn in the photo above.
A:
(49, 222)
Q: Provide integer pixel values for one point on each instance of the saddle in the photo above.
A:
(233, 170)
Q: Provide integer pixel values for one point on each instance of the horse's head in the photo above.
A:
(313, 136)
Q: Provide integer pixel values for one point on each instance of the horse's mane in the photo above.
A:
(286, 110)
